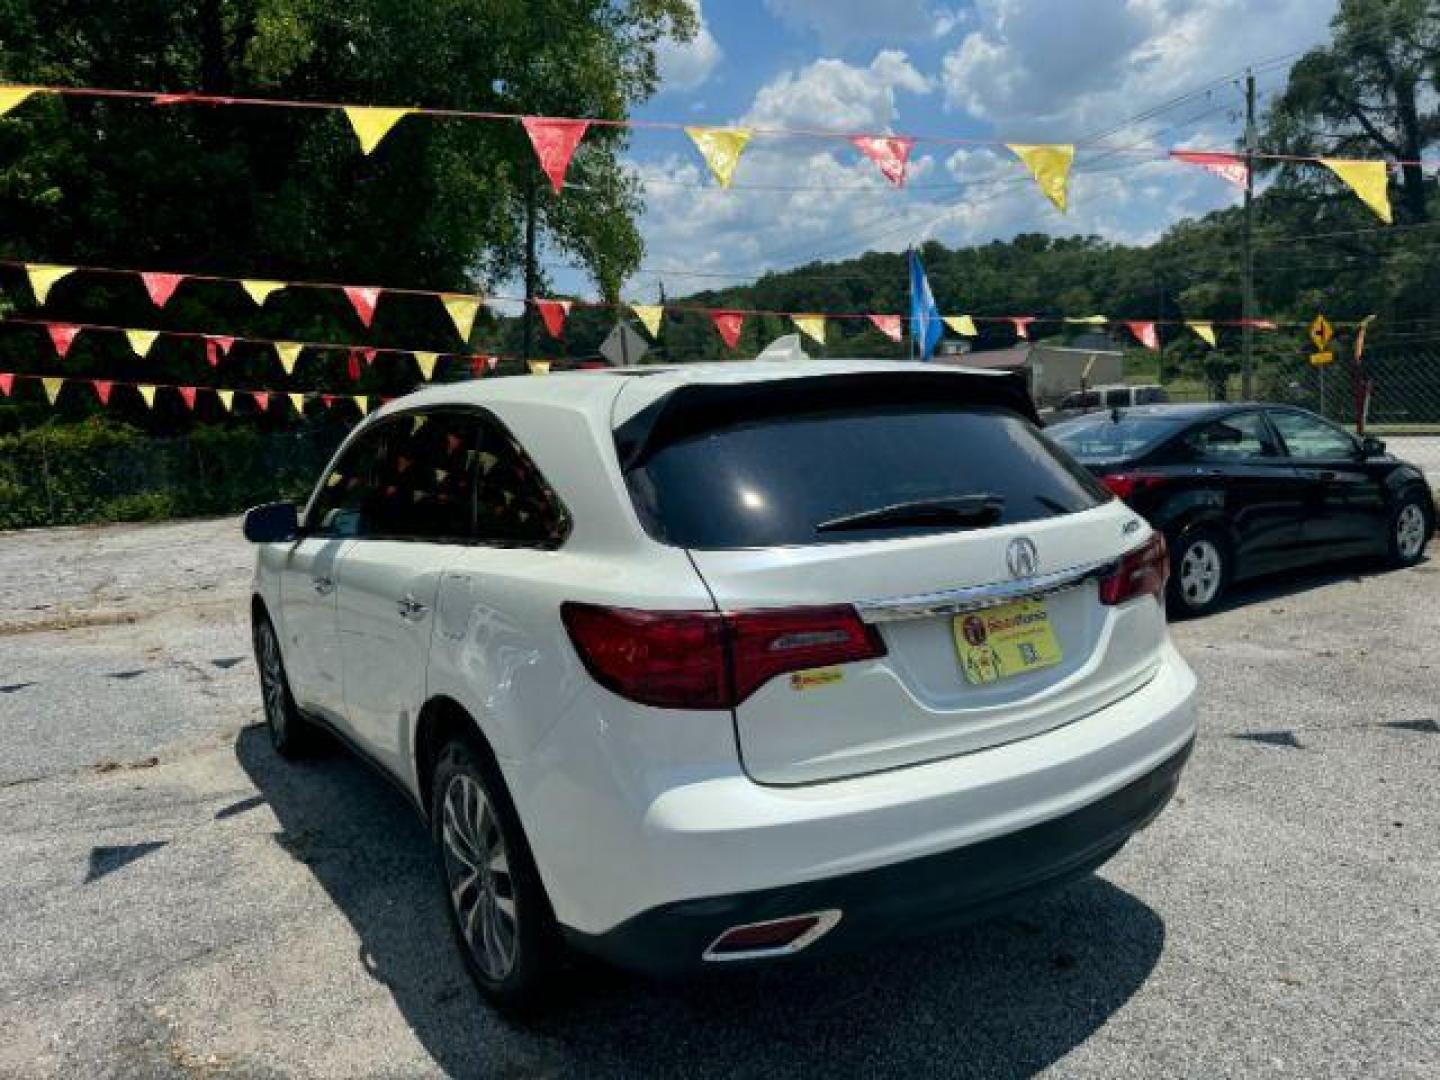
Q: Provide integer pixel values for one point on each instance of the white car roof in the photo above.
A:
(595, 392)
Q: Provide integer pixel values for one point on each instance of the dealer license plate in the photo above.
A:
(1002, 642)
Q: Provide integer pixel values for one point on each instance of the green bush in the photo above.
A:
(102, 471)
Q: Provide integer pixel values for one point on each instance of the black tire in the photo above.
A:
(1405, 548)
(1191, 595)
(520, 977)
(290, 733)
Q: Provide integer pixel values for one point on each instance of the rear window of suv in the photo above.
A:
(806, 477)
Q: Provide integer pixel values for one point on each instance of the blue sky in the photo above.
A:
(1017, 70)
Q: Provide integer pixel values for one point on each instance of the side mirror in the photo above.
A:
(1371, 446)
(273, 523)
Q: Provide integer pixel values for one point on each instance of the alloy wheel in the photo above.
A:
(272, 681)
(477, 871)
(1410, 530)
(1201, 571)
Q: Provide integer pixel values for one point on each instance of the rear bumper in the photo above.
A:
(915, 896)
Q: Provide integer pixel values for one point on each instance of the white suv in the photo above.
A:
(718, 663)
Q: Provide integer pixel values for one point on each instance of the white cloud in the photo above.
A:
(1057, 69)
(832, 94)
(838, 22)
(688, 64)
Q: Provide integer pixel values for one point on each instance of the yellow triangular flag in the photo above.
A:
(461, 310)
(298, 400)
(289, 353)
(1368, 179)
(650, 316)
(962, 324)
(812, 326)
(426, 362)
(539, 367)
(11, 96)
(260, 290)
(1087, 320)
(42, 276)
(141, 340)
(373, 124)
(227, 398)
(362, 403)
(1050, 164)
(720, 147)
(1204, 331)
(148, 393)
(52, 388)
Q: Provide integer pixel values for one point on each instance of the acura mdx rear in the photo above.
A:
(860, 653)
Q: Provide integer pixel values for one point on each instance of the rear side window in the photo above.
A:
(1117, 398)
(1105, 437)
(786, 480)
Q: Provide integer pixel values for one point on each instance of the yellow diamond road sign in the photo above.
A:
(1321, 332)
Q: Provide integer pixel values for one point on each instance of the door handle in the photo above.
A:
(323, 585)
(410, 608)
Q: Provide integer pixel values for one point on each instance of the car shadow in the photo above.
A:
(1278, 586)
(1004, 998)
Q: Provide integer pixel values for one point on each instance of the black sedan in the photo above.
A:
(1242, 490)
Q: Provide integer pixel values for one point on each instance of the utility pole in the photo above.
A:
(531, 284)
(1247, 300)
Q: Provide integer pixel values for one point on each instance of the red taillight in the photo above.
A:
(710, 659)
(1142, 572)
(1125, 485)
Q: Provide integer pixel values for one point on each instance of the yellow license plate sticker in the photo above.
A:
(1001, 642)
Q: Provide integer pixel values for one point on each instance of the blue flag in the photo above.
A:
(925, 324)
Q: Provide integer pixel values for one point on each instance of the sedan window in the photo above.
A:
(1236, 438)
(1310, 437)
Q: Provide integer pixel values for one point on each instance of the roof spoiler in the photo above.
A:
(698, 407)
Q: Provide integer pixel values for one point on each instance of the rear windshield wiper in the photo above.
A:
(979, 509)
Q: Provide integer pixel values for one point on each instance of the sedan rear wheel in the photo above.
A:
(1199, 572)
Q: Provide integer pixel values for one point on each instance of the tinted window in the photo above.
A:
(515, 506)
(1235, 438)
(339, 501)
(425, 489)
(1087, 400)
(1106, 437)
(1117, 398)
(1311, 437)
(773, 480)
(1151, 395)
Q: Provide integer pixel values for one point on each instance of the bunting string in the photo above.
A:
(555, 139)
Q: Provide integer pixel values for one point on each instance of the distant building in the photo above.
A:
(1053, 370)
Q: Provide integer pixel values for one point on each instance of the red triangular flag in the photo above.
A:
(1145, 334)
(102, 389)
(217, 346)
(481, 364)
(352, 365)
(61, 336)
(188, 393)
(554, 142)
(161, 286)
(890, 152)
(1022, 324)
(363, 298)
(552, 314)
(262, 399)
(1229, 167)
(729, 323)
(328, 399)
(7, 383)
(889, 325)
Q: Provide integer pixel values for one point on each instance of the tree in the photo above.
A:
(1365, 93)
(247, 191)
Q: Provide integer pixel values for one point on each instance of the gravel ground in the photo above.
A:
(176, 901)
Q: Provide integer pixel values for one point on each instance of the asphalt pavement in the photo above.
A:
(177, 901)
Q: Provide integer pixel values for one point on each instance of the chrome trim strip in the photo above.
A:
(978, 597)
(827, 920)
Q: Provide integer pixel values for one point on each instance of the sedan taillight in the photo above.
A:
(1142, 572)
(711, 659)
(1127, 484)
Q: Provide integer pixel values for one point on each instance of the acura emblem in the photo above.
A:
(1022, 558)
